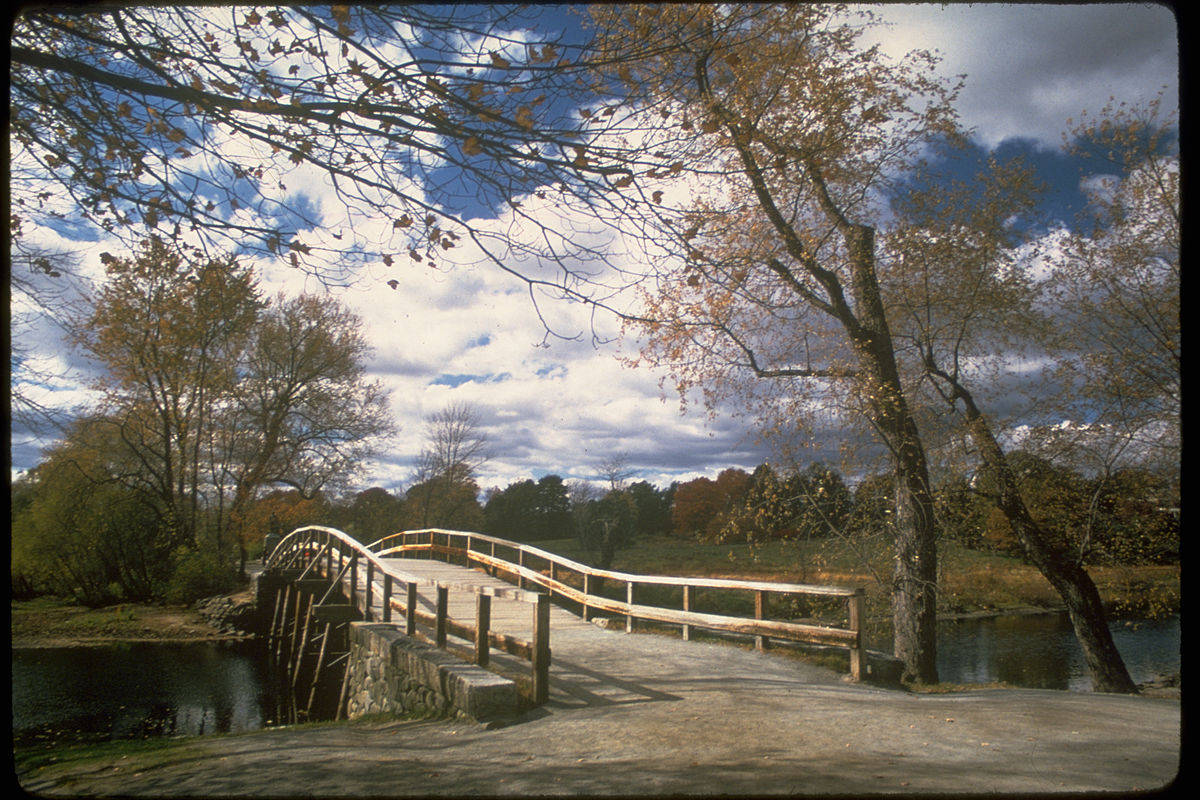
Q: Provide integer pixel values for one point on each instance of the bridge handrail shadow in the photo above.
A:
(304, 549)
(550, 571)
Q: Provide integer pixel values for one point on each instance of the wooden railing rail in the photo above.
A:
(529, 565)
(304, 549)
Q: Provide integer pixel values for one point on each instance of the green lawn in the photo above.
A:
(970, 580)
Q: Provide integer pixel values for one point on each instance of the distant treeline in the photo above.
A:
(97, 552)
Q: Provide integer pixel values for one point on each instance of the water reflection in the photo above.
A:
(1040, 651)
(139, 690)
(135, 691)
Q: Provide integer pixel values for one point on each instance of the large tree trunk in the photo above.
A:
(914, 595)
(1053, 560)
(914, 573)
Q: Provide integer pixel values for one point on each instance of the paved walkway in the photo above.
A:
(644, 714)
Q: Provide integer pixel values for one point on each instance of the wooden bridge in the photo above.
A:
(506, 607)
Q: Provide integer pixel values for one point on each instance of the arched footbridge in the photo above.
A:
(450, 621)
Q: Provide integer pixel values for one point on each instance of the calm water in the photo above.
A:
(135, 691)
(1040, 651)
(140, 690)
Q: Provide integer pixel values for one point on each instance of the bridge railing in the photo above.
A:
(369, 582)
(581, 583)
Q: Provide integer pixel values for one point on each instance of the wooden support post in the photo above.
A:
(520, 563)
(287, 597)
(410, 608)
(587, 592)
(629, 601)
(296, 620)
(274, 614)
(312, 691)
(368, 615)
(440, 616)
(492, 569)
(354, 580)
(856, 653)
(341, 703)
(387, 597)
(760, 602)
(483, 624)
(541, 650)
(300, 645)
(687, 606)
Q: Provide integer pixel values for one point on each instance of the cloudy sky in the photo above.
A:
(550, 405)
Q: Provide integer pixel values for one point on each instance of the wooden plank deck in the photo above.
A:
(589, 665)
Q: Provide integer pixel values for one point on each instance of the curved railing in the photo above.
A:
(579, 583)
(377, 587)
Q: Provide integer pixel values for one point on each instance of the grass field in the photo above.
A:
(969, 580)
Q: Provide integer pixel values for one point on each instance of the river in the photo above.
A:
(137, 691)
(1040, 651)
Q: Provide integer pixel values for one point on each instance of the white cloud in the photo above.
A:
(1031, 67)
(552, 405)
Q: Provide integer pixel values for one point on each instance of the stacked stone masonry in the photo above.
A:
(393, 674)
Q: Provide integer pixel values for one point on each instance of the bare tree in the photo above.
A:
(616, 471)
(964, 307)
(45, 294)
(303, 413)
(207, 122)
(758, 141)
(444, 492)
(456, 444)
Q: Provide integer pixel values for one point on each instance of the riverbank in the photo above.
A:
(51, 622)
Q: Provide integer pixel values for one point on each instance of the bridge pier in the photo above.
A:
(301, 608)
(325, 632)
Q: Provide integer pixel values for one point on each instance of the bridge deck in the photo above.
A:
(592, 666)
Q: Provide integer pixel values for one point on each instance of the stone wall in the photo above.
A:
(392, 674)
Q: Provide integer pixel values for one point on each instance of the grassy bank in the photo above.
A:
(971, 581)
(49, 622)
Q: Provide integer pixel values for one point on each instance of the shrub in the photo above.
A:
(197, 575)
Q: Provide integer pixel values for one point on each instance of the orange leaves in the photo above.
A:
(524, 117)
(471, 146)
(548, 54)
(341, 13)
(499, 61)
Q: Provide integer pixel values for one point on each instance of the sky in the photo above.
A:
(562, 406)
